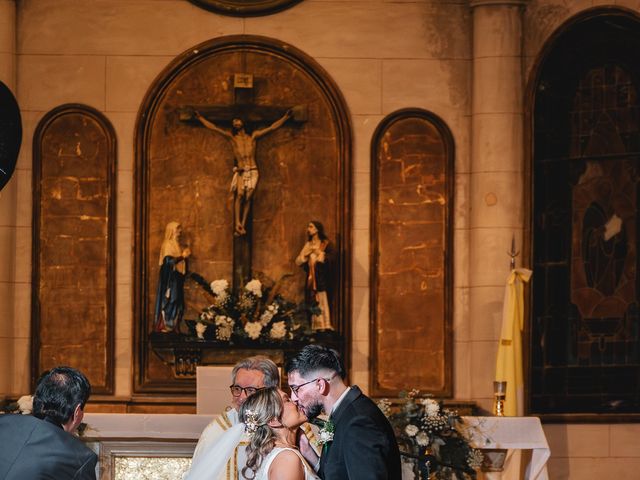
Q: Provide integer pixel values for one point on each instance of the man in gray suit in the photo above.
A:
(42, 446)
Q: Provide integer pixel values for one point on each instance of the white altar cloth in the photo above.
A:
(103, 426)
(514, 433)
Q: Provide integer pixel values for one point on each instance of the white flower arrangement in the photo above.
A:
(423, 427)
(254, 314)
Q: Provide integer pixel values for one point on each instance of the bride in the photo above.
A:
(269, 422)
(272, 421)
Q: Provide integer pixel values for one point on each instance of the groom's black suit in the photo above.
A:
(364, 446)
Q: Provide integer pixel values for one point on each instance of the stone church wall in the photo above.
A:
(383, 55)
(106, 54)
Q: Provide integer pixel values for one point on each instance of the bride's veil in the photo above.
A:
(212, 463)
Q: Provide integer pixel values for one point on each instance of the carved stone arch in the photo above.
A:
(74, 225)
(183, 173)
(412, 170)
(583, 166)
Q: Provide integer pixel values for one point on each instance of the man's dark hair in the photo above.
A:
(58, 393)
(313, 358)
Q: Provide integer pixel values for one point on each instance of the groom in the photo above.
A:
(363, 446)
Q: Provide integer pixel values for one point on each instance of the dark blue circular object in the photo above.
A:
(10, 134)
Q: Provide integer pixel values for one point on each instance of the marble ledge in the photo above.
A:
(138, 425)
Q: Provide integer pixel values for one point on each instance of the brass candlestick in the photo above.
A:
(499, 393)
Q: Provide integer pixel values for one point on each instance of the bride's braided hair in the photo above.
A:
(256, 412)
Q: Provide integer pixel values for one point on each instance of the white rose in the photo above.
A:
(222, 297)
(224, 332)
(431, 407)
(278, 330)
(220, 287)
(423, 439)
(200, 329)
(266, 317)
(253, 329)
(411, 430)
(25, 404)
(325, 436)
(224, 327)
(385, 406)
(254, 286)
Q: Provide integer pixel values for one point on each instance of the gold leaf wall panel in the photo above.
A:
(411, 271)
(73, 245)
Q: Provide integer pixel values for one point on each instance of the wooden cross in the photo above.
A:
(244, 109)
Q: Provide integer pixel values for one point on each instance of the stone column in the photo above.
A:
(496, 181)
(8, 211)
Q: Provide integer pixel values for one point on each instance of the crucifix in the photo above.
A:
(245, 171)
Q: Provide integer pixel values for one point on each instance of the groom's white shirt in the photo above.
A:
(211, 435)
(339, 401)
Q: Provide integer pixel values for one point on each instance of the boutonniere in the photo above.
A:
(326, 433)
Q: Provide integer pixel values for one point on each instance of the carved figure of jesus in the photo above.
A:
(245, 170)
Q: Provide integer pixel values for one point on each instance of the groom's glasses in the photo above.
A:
(295, 388)
(236, 390)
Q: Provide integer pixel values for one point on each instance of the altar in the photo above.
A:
(513, 433)
(143, 446)
(159, 447)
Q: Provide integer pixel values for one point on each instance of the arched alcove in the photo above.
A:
(412, 167)
(184, 171)
(584, 337)
(73, 276)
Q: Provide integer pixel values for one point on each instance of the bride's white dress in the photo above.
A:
(263, 473)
